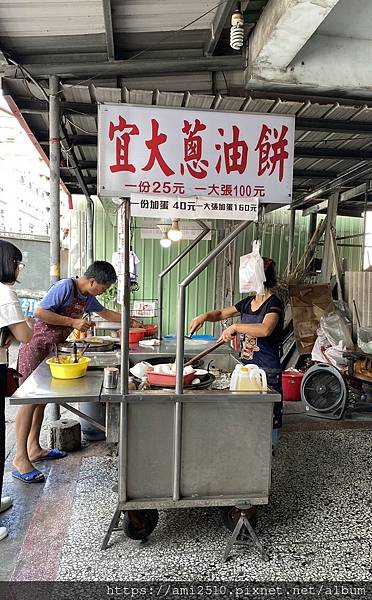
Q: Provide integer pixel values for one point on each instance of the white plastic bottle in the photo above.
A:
(248, 379)
(234, 378)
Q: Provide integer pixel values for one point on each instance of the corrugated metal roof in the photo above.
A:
(170, 99)
(47, 31)
(193, 82)
(38, 18)
(47, 27)
(167, 15)
(198, 101)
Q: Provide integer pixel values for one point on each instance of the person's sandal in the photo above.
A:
(33, 476)
(53, 454)
(6, 503)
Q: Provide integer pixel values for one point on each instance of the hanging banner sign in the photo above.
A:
(189, 153)
(201, 207)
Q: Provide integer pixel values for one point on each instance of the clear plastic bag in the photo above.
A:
(323, 352)
(334, 356)
(336, 329)
(251, 271)
(334, 337)
(365, 339)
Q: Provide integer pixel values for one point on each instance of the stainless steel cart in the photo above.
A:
(216, 451)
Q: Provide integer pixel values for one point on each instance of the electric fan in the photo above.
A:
(324, 392)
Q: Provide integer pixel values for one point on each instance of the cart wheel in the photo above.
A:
(139, 524)
(231, 514)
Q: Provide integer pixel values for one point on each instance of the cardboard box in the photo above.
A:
(309, 302)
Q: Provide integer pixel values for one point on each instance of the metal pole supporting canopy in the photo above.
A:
(54, 181)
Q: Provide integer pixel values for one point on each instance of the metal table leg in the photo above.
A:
(113, 527)
(243, 526)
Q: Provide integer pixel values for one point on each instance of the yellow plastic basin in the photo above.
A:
(66, 368)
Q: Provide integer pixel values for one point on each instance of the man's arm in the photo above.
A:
(115, 317)
(110, 315)
(212, 317)
(52, 318)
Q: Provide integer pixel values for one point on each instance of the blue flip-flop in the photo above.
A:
(33, 476)
(53, 454)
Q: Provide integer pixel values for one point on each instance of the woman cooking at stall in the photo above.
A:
(58, 314)
(260, 330)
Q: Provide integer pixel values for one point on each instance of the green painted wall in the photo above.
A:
(105, 233)
(201, 292)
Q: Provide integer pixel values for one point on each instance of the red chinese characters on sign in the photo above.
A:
(271, 148)
(193, 149)
(155, 155)
(122, 145)
(235, 153)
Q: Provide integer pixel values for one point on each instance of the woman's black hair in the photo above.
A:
(103, 272)
(271, 278)
(10, 257)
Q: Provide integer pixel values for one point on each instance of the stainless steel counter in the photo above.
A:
(41, 388)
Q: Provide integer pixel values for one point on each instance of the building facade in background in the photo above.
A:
(24, 182)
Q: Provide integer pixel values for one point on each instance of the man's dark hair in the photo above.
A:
(103, 272)
(271, 278)
(10, 257)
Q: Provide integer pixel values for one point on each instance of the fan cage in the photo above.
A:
(323, 389)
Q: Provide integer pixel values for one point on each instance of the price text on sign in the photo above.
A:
(180, 152)
(202, 207)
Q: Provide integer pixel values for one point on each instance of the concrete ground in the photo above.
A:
(316, 520)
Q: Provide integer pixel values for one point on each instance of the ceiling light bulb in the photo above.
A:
(237, 30)
(165, 242)
(175, 234)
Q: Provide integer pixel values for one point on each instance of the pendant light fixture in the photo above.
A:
(165, 241)
(175, 234)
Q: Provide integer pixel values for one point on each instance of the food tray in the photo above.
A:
(205, 382)
(165, 380)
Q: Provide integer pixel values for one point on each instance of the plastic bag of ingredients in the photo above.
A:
(334, 356)
(336, 329)
(323, 352)
(251, 271)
